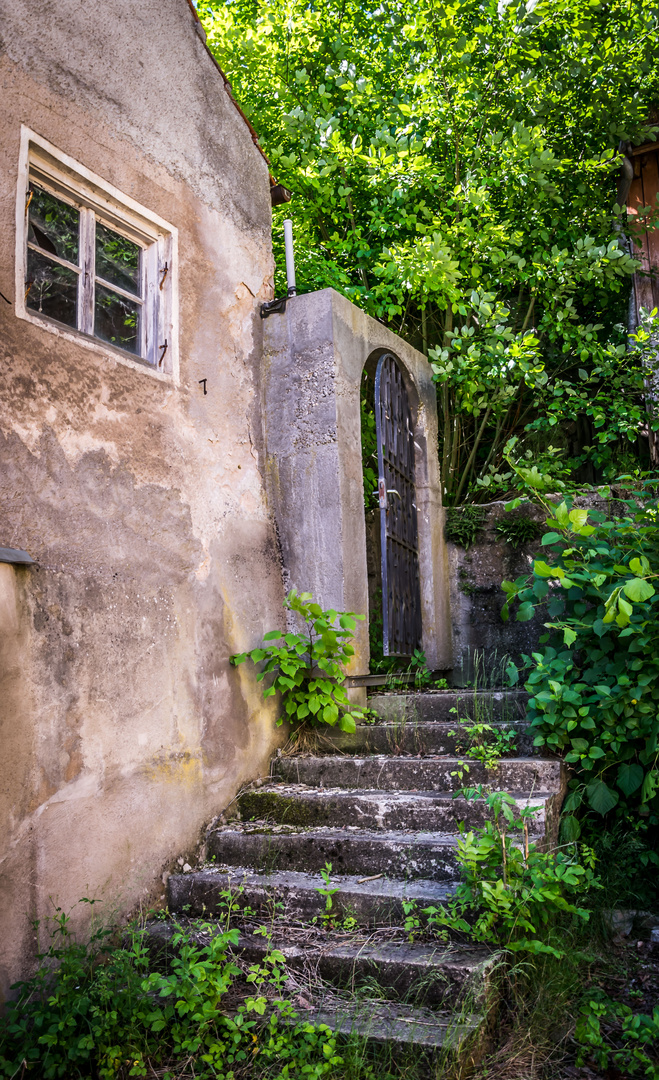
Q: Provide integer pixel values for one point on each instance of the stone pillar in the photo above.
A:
(313, 358)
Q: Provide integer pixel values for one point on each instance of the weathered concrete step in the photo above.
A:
(297, 804)
(405, 1027)
(453, 706)
(415, 737)
(435, 973)
(384, 772)
(293, 895)
(349, 850)
(430, 974)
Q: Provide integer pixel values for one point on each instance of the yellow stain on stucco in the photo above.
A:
(184, 769)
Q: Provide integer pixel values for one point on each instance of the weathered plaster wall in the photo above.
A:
(123, 727)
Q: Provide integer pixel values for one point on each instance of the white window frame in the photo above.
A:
(42, 163)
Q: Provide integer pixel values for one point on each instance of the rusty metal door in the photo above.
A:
(401, 592)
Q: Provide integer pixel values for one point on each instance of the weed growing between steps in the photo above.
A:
(511, 894)
(309, 666)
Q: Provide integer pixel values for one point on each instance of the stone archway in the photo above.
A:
(313, 357)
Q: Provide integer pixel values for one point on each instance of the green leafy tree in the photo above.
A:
(454, 169)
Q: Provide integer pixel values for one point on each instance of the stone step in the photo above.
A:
(297, 804)
(404, 1027)
(349, 850)
(387, 773)
(293, 896)
(414, 737)
(429, 974)
(448, 705)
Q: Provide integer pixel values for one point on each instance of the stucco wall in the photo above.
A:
(123, 727)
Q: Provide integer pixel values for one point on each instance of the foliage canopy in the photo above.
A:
(455, 169)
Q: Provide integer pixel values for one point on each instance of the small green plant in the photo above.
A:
(418, 668)
(484, 742)
(327, 891)
(412, 923)
(517, 531)
(511, 892)
(463, 524)
(611, 1034)
(308, 666)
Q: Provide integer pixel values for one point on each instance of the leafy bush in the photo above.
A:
(595, 687)
(510, 891)
(96, 1011)
(309, 666)
(611, 1034)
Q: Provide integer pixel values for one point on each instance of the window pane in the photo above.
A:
(117, 259)
(51, 289)
(53, 224)
(117, 320)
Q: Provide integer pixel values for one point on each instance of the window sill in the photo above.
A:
(101, 348)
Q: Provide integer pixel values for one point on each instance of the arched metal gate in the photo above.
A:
(401, 593)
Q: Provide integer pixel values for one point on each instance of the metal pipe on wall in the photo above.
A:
(290, 257)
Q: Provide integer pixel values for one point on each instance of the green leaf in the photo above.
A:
(650, 785)
(600, 797)
(525, 612)
(543, 569)
(578, 517)
(550, 538)
(637, 589)
(570, 829)
(629, 778)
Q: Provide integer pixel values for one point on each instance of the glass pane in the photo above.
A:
(116, 320)
(117, 259)
(51, 289)
(53, 224)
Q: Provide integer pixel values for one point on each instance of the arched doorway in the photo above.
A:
(399, 534)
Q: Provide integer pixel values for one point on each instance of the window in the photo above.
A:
(95, 263)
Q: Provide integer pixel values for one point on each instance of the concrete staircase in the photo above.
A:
(378, 806)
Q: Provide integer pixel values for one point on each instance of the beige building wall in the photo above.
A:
(123, 728)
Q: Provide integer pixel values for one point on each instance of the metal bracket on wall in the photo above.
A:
(274, 307)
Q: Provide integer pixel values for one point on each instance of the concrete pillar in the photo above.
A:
(313, 358)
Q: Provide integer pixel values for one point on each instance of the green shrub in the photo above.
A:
(309, 666)
(96, 1011)
(595, 685)
(511, 893)
(517, 531)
